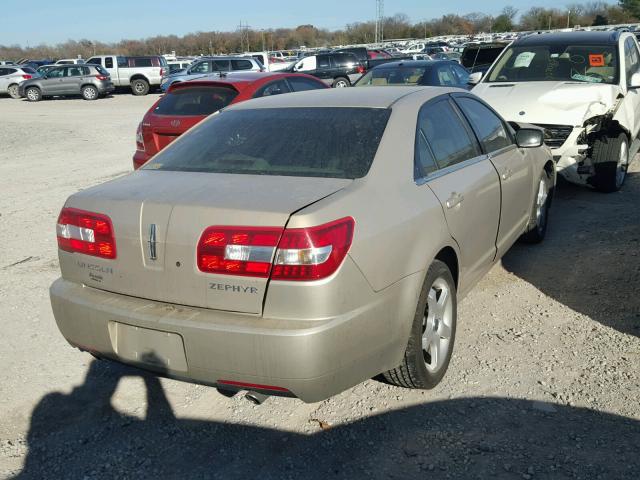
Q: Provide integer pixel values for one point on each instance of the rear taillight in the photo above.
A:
(102, 77)
(299, 254)
(139, 139)
(360, 69)
(86, 232)
(312, 253)
(27, 76)
(162, 72)
(246, 251)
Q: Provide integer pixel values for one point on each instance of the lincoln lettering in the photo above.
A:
(232, 288)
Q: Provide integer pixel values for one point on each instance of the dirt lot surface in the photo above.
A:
(544, 383)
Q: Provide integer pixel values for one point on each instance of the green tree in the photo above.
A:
(631, 7)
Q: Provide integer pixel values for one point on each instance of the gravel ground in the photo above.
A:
(544, 382)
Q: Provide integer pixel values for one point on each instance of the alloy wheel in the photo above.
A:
(437, 325)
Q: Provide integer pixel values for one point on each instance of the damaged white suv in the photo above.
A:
(582, 88)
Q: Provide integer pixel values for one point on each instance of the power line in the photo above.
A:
(243, 29)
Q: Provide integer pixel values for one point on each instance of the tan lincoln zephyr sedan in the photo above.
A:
(299, 244)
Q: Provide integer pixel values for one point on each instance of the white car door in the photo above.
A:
(629, 110)
(4, 79)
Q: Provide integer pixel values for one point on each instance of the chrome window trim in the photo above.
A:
(451, 168)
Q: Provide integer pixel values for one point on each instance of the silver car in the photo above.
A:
(89, 81)
(300, 244)
(11, 76)
(210, 65)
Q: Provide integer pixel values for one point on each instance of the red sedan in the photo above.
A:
(187, 103)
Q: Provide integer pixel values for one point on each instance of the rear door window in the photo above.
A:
(273, 88)
(108, 62)
(300, 84)
(195, 101)
(220, 65)
(447, 134)
(241, 65)
(488, 127)
(4, 71)
(335, 142)
(323, 62)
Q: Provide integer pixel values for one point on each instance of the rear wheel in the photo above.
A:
(13, 90)
(33, 94)
(537, 229)
(341, 82)
(610, 162)
(433, 332)
(89, 92)
(139, 87)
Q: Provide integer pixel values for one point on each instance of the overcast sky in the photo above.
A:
(55, 21)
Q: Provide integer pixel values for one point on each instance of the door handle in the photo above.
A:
(507, 174)
(454, 200)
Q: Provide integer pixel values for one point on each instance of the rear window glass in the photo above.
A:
(195, 101)
(329, 142)
(100, 70)
(26, 70)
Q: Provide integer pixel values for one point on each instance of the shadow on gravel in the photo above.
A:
(81, 436)
(590, 260)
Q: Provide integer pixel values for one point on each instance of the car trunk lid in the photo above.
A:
(158, 218)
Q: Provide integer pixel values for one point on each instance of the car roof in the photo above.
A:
(575, 38)
(370, 97)
(241, 79)
(414, 63)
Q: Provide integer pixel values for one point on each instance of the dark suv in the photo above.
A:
(335, 69)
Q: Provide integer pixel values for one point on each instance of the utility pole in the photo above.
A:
(379, 33)
(568, 17)
(244, 37)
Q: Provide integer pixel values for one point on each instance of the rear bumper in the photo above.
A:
(312, 359)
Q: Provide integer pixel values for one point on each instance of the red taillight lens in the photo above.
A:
(27, 77)
(360, 69)
(246, 251)
(312, 253)
(102, 77)
(139, 138)
(86, 232)
(302, 254)
(161, 72)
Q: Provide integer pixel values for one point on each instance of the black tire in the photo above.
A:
(12, 90)
(341, 82)
(33, 94)
(89, 92)
(139, 87)
(413, 371)
(608, 151)
(537, 228)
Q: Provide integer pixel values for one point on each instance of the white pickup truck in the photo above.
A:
(140, 73)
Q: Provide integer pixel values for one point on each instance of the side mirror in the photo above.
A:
(635, 80)
(529, 137)
(475, 78)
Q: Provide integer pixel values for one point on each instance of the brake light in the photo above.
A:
(27, 76)
(312, 253)
(139, 139)
(102, 77)
(297, 254)
(86, 232)
(161, 72)
(246, 251)
(360, 69)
